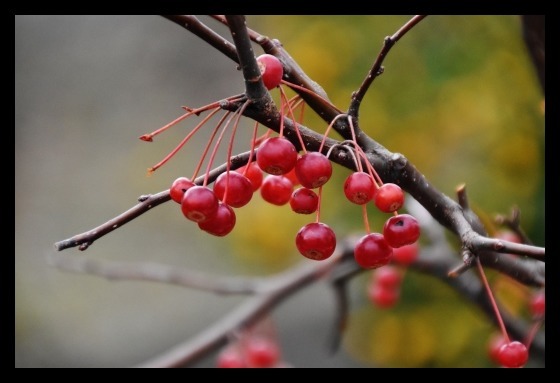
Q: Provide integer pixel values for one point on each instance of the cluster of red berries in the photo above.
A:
(252, 351)
(284, 168)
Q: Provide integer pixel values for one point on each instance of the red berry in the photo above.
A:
(383, 297)
(231, 357)
(240, 189)
(513, 354)
(537, 304)
(199, 203)
(359, 188)
(406, 254)
(496, 341)
(313, 170)
(316, 241)
(372, 251)
(221, 223)
(276, 190)
(400, 230)
(179, 187)
(389, 198)
(388, 277)
(277, 155)
(271, 70)
(261, 352)
(254, 173)
(304, 201)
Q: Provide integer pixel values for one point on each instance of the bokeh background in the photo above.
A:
(459, 98)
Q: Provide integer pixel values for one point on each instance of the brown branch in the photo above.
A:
(194, 25)
(146, 203)
(436, 259)
(156, 272)
(266, 293)
(394, 167)
(376, 69)
(247, 314)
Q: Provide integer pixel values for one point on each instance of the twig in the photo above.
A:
(247, 314)
(194, 25)
(156, 272)
(377, 69)
(146, 203)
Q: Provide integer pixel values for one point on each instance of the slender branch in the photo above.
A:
(266, 293)
(377, 69)
(146, 203)
(194, 25)
(156, 272)
(247, 314)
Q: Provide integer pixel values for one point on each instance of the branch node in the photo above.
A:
(84, 246)
(144, 197)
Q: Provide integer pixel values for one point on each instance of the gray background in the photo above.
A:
(85, 88)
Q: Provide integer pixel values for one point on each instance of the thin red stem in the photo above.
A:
(190, 112)
(365, 216)
(287, 103)
(360, 168)
(215, 149)
(292, 85)
(252, 151)
(230, 145)
(319, 195)
(183, 142)
(203, 156)
(327, 131)
(492, 300)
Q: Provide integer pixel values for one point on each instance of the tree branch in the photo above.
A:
(146, 203)
(254, 86)
(247, 314)
(376, 70)
(156, 272)
(194, 25)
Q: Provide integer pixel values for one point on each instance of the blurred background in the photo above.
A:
(459, 98)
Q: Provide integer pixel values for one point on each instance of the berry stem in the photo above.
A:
(252, 150)
(319, 195)
(215, 149)
(292, 85)
(183, 142)
(190, 112)
(356, 146)
(199, 165)
(325, 135)
(230, 144)
(492, 300)
(366, 220)
(286, 103)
